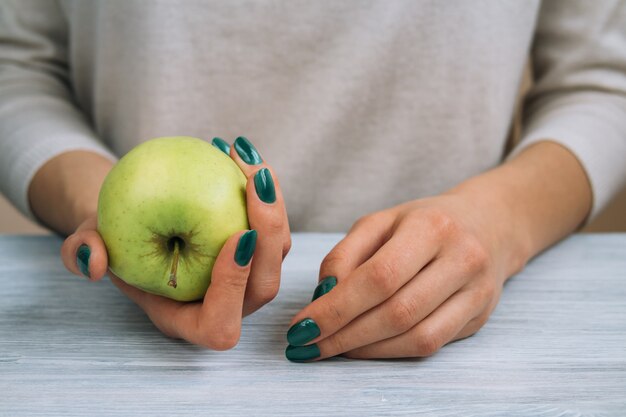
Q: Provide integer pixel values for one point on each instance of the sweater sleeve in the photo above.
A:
(38, 116)
(579, 98)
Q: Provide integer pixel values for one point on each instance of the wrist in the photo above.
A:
(495, 214)
(531, 201)
(64, 192)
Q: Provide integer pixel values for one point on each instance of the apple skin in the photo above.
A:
(167, 188)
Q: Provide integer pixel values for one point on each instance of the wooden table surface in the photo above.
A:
(555, 346)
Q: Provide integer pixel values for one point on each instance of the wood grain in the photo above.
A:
(555, 346)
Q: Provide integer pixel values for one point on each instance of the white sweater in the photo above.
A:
(359, 105)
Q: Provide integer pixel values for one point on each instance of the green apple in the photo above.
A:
(166, 209)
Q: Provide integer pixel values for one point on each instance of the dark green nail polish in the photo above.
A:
(264, 185)
(324, 286)
(221, 144)
(82, 259)
(303, 332)
(302, 353)
(245, 248)
(247, 151)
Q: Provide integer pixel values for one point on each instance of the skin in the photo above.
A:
(417, 276)
(410, 278)
(64, 196)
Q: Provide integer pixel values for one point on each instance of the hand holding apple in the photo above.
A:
(164, 212)
(239, 285)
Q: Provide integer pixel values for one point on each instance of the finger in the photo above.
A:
(216, 322)
(376, 280)
(479, 321)
(429, 335)
(410, 305)
(84, 253)
(220, 319)
(266, 215)
(249, 160)
(470, 328)
(365, 237)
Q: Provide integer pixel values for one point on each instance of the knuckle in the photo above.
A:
(441, 222)
(487, 291)
(383, 276)
(224, 338)
(286, 246)
(402, 315)
(274, 225)
(217, 336)
(475, 256)
(480, 321)
(335, 259)
(264, 294)
(474, 325)
(362, 221)
(235, 282)
(334, 315)
(334, 345)
(414, 216)
(368, 219)
(428, 342)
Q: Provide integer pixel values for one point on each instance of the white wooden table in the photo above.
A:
(555, 346)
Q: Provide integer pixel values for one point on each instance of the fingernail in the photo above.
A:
(264, 185)
(247, 151)
(82, 259)
(245, 248)
(303, 332)
(302, 353)
(324, 286)
(221, 144)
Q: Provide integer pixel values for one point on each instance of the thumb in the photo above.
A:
(84, 253)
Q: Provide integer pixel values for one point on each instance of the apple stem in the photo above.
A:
(172, 281)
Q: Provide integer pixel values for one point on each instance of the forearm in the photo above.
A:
(533, 200)
(64, 192)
